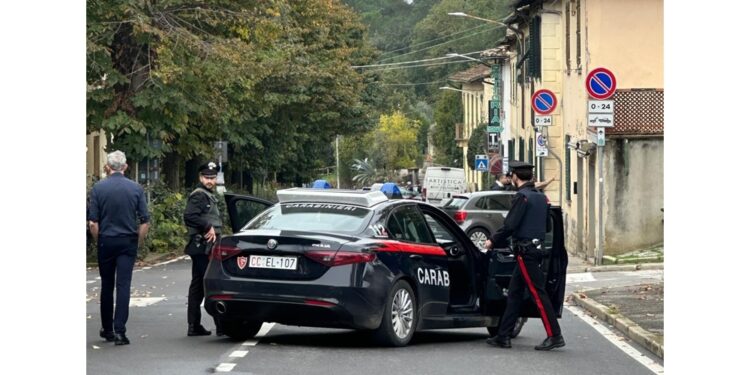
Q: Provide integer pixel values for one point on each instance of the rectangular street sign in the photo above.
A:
(493, 140)
(600, 136)
(541, 151)
(494, 115)
(542, 120)
(481, 163)
(493, 129)
(601, 120)
(602, 106)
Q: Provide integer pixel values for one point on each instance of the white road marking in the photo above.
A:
(225, 367)
(171, 261)
(264, 329)
(144, 301)
(616, 340)
(580, 277)
(238, 354)
(90, 281)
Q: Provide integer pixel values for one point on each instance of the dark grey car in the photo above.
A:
(479, 214)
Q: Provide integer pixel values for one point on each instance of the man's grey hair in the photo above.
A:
(116, 160)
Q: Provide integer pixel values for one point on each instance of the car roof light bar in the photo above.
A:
(352, 197)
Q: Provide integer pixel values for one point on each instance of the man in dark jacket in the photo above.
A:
(526, 224)
(204, 223)
(118, 220)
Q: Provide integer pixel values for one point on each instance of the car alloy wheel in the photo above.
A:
(402, 313)
(399, 320)
(478, 236)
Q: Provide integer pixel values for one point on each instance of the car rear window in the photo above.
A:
(315, 217)
(456, 202)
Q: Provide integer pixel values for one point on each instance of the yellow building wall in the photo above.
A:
(627, 37)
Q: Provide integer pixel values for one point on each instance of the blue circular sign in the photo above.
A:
(544, 101)
(601, 83)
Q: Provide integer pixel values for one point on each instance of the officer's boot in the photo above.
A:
(501, 341)
(551, 343)
(197, 330)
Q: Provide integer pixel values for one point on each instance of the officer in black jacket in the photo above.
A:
(526, 224)
(204, 223)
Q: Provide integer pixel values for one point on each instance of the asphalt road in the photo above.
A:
(157, 330)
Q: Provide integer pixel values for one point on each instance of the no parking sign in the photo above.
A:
(601, 83)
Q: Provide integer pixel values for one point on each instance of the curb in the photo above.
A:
(624, 267)
(635, 332)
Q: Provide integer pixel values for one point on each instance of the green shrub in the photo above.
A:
(167, 232)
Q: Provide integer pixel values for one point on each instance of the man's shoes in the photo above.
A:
(501, 341)
(197, 330)
(121, 339)
(107, 335)
(551, 342)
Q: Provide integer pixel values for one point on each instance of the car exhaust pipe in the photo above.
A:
(221, 308)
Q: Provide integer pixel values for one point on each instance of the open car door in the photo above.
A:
(243, 208)
(501, 263)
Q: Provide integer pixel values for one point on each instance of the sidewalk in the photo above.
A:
(637, 310)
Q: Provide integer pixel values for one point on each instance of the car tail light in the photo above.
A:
(221, 252)
(333, 258)
(315, 302)
(460, 216)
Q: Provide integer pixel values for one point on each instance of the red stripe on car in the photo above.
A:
(396, 246)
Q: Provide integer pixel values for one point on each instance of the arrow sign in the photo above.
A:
(601, 83)
(544, 101)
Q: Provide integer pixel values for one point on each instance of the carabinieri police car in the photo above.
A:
(356, 259)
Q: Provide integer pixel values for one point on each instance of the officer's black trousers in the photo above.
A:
(528, 273)
(116, 257)
(196, 291)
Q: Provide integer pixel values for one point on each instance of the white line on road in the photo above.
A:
(90, 281)
(171, 261)
(225, 367)
(616, 340)
(580, 277)
(144, 301)
(238, 354)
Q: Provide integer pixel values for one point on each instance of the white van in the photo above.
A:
(442, 182)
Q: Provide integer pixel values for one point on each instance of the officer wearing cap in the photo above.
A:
(526, 224)
(204, 223)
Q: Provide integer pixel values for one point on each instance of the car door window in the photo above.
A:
(441, 233)
(481, 203)
(549, 236)
(407, 224)
(499, 202)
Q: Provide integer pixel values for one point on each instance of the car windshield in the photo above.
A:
(456, 202)
(313, 217)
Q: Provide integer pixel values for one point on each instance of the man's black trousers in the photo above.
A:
(196, 291)
(116, 257)
(528, 272)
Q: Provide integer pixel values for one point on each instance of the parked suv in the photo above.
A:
(479, 214)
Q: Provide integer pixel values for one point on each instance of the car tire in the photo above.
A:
(240, 329)
(516, 328)
(478, 235)
(399, 321)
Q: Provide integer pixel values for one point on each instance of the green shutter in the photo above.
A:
(521, 149)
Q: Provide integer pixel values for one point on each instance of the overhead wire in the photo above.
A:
(419, 66)
(438, 38)
(440, 44)
(414, 61)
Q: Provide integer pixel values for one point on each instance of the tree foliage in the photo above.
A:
(447, 114)
(271, 77)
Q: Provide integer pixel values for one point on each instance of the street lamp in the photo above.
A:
(466, 57)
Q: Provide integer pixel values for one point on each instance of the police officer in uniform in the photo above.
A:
(526, 224)
(204, 223)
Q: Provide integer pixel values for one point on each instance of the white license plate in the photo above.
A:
(278, 263)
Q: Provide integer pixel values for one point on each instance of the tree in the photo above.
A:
(272, 78)
(447, 114)
(477, 144)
